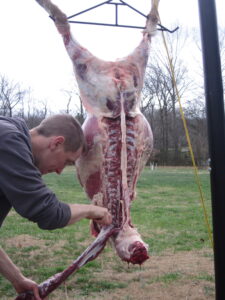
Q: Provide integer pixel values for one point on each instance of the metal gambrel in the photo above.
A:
(116, 4)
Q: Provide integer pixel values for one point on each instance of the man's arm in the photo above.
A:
(13, 274)
(99, 214)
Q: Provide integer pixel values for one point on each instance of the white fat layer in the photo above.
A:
(126, 237)
(123, 164)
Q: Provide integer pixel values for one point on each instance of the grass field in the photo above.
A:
(167, 213)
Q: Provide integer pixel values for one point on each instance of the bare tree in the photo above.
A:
(195, 112)
(11, 95)
(73, 98)
(199, 76)
(160, 94)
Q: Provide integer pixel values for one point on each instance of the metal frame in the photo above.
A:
(116, 23)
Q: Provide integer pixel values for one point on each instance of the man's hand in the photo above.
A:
(99, 214)
(11, 272)
(24, 285)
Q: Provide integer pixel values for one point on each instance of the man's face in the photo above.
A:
(55, 158)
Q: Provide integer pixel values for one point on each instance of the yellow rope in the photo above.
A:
(188, 141)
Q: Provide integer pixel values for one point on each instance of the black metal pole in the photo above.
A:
(216, 133)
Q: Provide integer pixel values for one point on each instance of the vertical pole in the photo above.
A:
(216, 133)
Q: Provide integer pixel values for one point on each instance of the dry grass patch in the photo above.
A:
(25, 241)
(170, 276)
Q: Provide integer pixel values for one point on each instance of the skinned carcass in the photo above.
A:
(119, 139)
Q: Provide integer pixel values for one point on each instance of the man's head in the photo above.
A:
(58, 141)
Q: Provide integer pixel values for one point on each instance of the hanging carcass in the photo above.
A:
(119, 140)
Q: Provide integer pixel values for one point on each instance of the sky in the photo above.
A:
(32, 52)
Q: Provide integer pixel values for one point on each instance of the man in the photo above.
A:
(26, 155)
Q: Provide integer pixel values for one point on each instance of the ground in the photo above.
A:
(167, 213)
(184, 275)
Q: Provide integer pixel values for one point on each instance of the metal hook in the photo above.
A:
(163, 28)
(115, 24)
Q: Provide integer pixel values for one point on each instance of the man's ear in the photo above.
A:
(56, 141)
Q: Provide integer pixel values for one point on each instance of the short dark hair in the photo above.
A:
(66, 126)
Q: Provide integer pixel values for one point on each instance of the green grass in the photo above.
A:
(89, 285)
(173, 213)
(167, 212)
(167, 278)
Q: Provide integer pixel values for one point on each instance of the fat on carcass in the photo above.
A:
(119, 139)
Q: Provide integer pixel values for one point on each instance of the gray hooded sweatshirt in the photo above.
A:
(21, 185)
